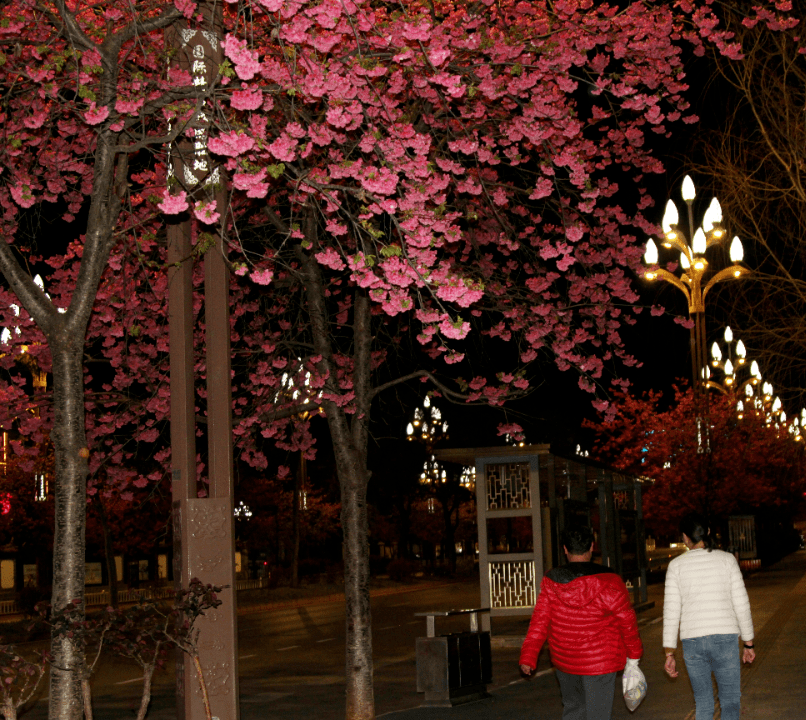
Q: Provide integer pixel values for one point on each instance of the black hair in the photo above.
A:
(577, 539)
(696, 527)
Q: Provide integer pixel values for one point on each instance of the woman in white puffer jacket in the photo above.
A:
(706, 601)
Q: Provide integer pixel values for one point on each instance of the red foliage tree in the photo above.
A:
(752, 464)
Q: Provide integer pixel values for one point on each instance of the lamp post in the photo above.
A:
(297, 389)
(695, 281)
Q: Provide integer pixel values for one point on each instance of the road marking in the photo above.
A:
(290, 647)
(129, 682)
(325, 640)
(246, 657)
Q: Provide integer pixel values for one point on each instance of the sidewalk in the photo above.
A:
(772, 688)
(274, 690)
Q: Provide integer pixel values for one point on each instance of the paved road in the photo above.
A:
(293, 658)
(292, 662)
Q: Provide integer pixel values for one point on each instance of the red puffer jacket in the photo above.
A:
(585, 613)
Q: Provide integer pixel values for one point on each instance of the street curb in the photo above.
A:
(338, 597)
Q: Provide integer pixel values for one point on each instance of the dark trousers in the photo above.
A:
(587, 697)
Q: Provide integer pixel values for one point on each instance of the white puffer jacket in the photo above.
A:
(705, 595)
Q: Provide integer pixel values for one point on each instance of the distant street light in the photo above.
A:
(743, 383)
(731, 362)
(428, 428)
(695, 282)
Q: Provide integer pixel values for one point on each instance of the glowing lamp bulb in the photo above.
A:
(713, 216)
(716, 353)
(684, 262)
(736, 250)
(699, 244)
(687, 191)
(670, 217)
(651, 254)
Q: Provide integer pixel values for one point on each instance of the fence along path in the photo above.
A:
(101, 597)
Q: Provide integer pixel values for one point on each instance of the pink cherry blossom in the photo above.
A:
(96, 115)
(231, 144)
(205, 211)
(457, 330)
(380, 181)
(247, 99)
(173, 204)
(262, 276)
(283, 148)
(23, 195)
(186, 7)
(129, 106)
(330, 258)
(271, 5)
(245, 60)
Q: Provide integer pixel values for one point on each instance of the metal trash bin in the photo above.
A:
(453, 668)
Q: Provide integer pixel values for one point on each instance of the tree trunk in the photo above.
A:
(145, 698)
(359, 668)
(349, 438)
(109, 553)
(70, 446)
(86, 694)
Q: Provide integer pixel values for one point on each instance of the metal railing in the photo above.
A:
(102, 597)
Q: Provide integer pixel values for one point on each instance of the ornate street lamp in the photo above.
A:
(695, 281)
(428, 427)
(731, 361)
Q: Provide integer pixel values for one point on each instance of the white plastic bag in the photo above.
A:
(633, 685)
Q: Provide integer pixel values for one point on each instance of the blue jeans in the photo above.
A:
(717, 654)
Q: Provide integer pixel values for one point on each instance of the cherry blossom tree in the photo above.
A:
(431, 174)
(85, 93)
(406, 177)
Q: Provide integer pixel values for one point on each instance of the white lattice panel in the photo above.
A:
(512, 584)
(508, 486)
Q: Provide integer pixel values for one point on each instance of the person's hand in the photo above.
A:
(748, 655)
(671, 666)
(526, 670)
(631, 678)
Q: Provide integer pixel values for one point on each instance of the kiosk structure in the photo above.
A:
(525, 496)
